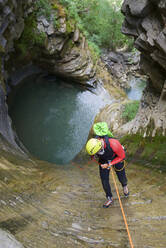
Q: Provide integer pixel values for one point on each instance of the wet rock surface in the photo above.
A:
(121, 65)
(145, 21)
(8, 240)
(151, 116)
(68, 52)
(112, 115)
(46, 205)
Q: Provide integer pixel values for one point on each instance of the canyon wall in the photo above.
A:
(145, 20)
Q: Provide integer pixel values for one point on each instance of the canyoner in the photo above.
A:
(109, 153)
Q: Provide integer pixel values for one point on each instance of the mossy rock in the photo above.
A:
(2, 50)
(70, 26)
(149, 151)
(59, 8)
(31, 40)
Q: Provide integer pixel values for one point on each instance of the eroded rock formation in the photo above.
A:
(11, 27)
(146, 22)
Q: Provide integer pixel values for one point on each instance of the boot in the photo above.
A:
(108, 202)
(126, 191)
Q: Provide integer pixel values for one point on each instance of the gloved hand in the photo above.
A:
(109, 165)
(104, 166)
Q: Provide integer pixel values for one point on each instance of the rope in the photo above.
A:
(121, 206)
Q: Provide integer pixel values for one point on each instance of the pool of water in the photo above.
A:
(53, 118)
(137, 86)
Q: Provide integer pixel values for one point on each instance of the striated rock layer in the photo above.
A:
(145, 20)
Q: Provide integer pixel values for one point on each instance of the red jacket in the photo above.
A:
(117, 149)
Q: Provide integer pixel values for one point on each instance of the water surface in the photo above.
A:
(137, 86)
(53, 118)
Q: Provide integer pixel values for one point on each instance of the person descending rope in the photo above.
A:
(109, 152)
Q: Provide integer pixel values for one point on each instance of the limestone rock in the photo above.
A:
(121, 66)
(112, 115)
(62, 28)
(45, 22)
(8, 240)
(149, 30)
(161, 40)
(150, 38)
(76, 35)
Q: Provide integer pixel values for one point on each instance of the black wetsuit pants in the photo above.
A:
(104, 175)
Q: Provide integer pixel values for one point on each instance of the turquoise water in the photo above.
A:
(53, 118)
(137, 86)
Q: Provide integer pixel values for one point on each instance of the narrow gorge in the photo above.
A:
(50, 192)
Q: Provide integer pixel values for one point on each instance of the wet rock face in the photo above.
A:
(122, 65)
(8, 240)
(11, 27)
(46, 204)
(12, 13)
(145, 20)
(66, 54)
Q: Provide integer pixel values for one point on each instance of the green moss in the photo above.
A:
(130, 111)
(149, 151)
(69, 26)
(67, 47)
(30, 37)
(59, 8)
(55, 6)
(95, 51)
(56, 22)
(2, 50)
(43, 8)
(70, 45)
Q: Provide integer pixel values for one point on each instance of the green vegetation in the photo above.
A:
(30, 37)
(43, 8)
(1, 49)
(130, 111)
(100, 21)
(149, 151)
(95, 51)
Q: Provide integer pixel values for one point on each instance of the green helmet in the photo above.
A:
(101, 129)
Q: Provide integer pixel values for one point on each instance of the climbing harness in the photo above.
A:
(124, 165)
(121, 206)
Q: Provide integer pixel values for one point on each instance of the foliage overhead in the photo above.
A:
(100, 20)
